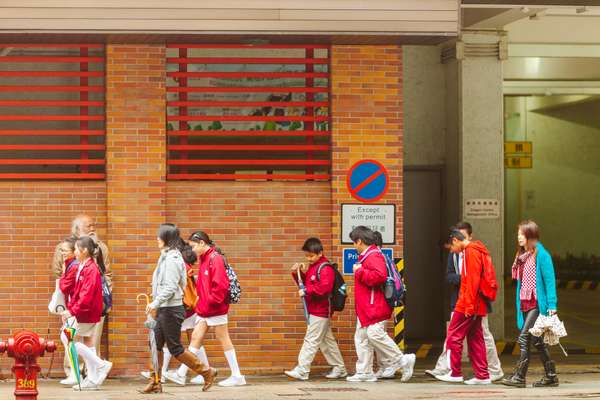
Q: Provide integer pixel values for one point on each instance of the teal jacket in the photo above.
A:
(545, 285)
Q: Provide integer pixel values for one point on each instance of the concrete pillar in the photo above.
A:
(476, 150)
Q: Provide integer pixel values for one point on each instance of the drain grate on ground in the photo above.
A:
(583, 396)
(333, 389)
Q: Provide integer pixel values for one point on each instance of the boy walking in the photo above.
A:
(442, 366)
(470, 308)
(318, 278)
(372, 311)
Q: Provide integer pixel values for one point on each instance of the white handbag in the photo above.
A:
(57, 302)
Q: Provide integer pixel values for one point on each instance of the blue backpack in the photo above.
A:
(107, 299)
(393, 288)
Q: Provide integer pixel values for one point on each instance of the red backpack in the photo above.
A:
(488, 286)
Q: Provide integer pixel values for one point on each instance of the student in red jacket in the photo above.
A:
(66, 284)
(318, 279)
(84, 310)
(372, 311)
(212, 287)
(468, 312)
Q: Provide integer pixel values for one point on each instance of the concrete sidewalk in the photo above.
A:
(580, 380)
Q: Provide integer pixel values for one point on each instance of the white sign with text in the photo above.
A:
(378, 217)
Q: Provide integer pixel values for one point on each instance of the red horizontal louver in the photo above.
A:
(52, 111)
(248, 112)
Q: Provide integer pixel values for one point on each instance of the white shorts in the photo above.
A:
(214, 321)
(190, 322)
(84, 329)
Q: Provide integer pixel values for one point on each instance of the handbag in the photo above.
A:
(57, 301)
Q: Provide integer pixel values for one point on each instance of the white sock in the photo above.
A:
(166, 360)
(232, 361)
(183, 369)
(92, 361)
(201, 354)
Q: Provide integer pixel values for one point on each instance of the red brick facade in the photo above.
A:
(259, 225)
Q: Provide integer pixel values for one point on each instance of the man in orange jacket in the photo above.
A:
(470, 308)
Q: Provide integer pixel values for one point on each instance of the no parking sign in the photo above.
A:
(367, 181)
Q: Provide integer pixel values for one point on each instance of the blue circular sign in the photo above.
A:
(367, 181)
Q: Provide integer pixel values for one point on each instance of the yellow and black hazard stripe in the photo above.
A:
(399, 312)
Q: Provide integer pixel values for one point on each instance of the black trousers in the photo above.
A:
(526, 339)
(168, 329)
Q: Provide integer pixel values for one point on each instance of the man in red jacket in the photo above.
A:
(318, 278)
(372, 310)
(468, 312)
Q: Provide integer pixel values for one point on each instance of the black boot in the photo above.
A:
(550, 379)
(517, 379)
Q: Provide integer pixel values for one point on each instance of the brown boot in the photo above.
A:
(195, 365)
(153, 386)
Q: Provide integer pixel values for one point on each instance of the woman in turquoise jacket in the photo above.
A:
(536, 294)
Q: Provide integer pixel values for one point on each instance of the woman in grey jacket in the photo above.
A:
(168, 282)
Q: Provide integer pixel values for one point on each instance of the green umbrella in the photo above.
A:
(70, 332)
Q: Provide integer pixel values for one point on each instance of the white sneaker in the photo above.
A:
(233, 381)
(174, 377)
(409, 367)
(197, 380)
(477, 381)
(146, 374)
(295, 374)
(379, 373)
(86, 385)
(362, 378)
(496, 377)
(336, 373)
(103, 371)
(69, 381)
(433, 372)
(449, 378)
(389, 372)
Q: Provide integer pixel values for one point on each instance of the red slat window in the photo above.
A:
(238, 112)
(52, 111)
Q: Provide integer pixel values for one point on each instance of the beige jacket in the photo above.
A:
(57, 263)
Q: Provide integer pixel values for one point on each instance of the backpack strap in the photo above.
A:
(320, 268)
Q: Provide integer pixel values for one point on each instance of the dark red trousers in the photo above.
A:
(460, 327)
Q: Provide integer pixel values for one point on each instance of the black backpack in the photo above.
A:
(338, 296)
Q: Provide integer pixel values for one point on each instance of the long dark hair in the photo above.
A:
(169, 234)
(199, 236)
(531, 231)
(87, 243)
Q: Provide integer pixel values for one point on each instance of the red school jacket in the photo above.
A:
(469, 300)
(212, 285)
(67, 281)
(317, 291)
(369, 300)
(86, 298)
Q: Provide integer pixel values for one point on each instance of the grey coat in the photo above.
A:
(168, 280)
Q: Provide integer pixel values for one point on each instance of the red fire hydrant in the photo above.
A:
(25, 348)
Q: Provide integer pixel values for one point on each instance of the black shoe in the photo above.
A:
(514, 381)
(550, 379)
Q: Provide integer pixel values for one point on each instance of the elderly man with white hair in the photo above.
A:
(83, 225)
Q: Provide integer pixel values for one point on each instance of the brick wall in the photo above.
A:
(260, 225)
(136, 155)
(34, 217)
(366, 87)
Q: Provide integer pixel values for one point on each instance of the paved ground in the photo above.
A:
(580, 379)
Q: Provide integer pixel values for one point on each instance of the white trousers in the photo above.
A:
(319, 337)
(371, 338)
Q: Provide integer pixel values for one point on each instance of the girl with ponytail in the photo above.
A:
(84, 310)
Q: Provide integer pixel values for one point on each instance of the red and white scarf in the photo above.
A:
(524, 269)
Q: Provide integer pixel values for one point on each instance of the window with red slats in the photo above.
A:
(239, 112)
(52, 111)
